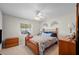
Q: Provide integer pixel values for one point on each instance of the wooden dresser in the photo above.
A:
(67, 46)
(10, 42)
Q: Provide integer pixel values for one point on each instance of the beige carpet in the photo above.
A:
(24, 50)
(54, 50)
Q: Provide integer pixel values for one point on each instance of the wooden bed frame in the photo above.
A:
(35, 47)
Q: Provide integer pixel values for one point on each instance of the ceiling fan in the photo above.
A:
(38, 15)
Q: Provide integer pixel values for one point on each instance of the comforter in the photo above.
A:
(43, 42)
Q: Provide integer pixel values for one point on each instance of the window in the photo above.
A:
(25, 28)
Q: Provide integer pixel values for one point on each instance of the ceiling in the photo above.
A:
(28, 10)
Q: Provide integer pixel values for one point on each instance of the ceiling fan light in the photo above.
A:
(39, 14)
(37, 18)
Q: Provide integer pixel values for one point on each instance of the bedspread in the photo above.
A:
(43, 42)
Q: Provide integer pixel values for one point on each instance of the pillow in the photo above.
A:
(46, 34)
(53, 35)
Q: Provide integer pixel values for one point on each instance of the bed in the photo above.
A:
(39, 43)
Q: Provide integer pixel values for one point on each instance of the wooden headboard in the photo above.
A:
(55, 31)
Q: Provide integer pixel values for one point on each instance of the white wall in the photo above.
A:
(63, 22)
(0, 25)
(11, 26)
(0, 20)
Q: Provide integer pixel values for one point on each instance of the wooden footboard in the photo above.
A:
(33, 47)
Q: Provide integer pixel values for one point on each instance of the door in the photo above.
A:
(77, 29)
